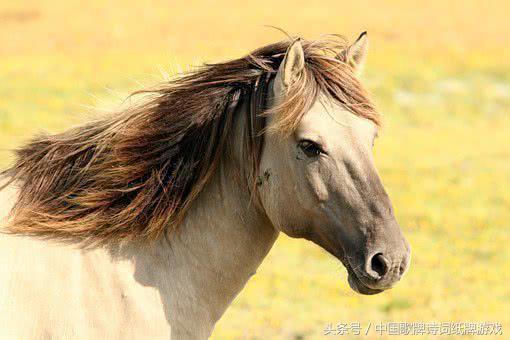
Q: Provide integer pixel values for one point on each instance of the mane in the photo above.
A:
(135, 174)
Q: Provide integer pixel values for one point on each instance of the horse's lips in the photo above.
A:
(357, 285)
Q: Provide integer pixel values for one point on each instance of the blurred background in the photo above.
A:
(439, 72)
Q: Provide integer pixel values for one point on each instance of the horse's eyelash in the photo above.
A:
(319, 145)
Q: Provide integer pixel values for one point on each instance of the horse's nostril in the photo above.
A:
(379, 264)
(401, 269)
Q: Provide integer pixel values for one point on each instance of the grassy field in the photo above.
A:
(440, 73)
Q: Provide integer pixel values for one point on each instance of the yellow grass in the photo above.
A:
(439, 71)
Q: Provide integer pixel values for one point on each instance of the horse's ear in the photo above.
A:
(291, 66)
(356, 54)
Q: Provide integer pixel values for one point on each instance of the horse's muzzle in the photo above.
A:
(379, 271)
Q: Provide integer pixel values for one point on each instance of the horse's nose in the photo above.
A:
(379, 267)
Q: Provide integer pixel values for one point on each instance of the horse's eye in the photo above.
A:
(311, 149)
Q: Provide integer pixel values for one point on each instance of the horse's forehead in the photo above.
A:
(332, 120)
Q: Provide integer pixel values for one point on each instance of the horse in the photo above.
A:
(148, 222)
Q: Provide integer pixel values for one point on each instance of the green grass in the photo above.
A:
(443, 152)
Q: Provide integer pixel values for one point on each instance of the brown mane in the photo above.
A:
(135, 174)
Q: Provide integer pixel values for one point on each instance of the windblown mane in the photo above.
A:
(134, 174)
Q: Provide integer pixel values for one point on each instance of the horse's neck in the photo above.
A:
(206, 262)
(199, 268)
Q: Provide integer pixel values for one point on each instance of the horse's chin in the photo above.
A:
(359, 287)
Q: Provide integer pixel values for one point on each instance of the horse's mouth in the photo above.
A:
(358, 286)
(354, 282)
